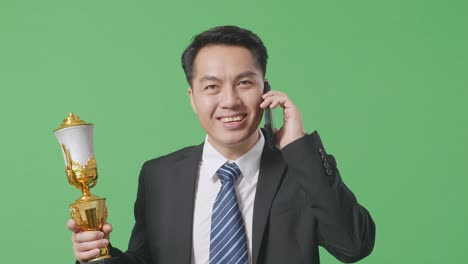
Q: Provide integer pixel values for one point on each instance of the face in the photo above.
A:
(226, 93)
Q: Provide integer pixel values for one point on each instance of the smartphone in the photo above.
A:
(269, 126)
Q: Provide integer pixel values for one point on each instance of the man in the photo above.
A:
(235, 199)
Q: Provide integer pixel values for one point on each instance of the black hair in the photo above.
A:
(229, 36)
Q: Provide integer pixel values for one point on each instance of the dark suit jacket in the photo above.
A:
(301, 203)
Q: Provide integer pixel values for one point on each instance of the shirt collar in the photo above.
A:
(249, 163)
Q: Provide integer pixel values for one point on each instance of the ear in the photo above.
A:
(190, 94)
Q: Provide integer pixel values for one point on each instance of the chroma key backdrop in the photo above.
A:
(384, 82)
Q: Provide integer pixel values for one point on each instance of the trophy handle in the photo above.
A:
(76, 216)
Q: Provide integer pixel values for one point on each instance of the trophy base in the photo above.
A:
(99, 260)
(90, 213)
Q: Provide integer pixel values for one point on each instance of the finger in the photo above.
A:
(285, 102)
(265, 104)
(87, 255)
(269, 101)
(274, 104)
(72, 226)
(87, 246)
(273, 93)
(268, 94)
(278, 101)
(87, 236)
(107, 229)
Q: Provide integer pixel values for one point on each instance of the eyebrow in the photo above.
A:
(245, 74)
(210, 78)
(216, 79)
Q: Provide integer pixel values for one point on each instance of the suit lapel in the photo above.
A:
(272, 167)
(185, 180)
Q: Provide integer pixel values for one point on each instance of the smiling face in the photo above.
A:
(226, 93)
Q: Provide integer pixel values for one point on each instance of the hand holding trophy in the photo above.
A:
(89, 211)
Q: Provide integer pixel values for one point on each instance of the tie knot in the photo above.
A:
(228, 172)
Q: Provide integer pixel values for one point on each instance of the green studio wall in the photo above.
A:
(385, 83)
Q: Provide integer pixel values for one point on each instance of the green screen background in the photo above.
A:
(384, 82)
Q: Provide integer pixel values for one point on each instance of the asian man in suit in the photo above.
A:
(235, 198)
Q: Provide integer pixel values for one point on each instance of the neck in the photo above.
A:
(235, 151)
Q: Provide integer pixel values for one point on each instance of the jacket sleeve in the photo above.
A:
(345, 228)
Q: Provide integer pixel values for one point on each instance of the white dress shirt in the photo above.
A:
(208, 187)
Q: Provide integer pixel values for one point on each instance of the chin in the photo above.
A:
(232, 141)
(238, 138)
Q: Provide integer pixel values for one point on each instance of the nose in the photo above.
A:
(229, 97)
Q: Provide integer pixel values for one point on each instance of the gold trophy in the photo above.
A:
(76, 139)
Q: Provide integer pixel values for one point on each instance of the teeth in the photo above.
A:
(231, 119)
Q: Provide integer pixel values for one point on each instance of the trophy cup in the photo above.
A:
(89, 211)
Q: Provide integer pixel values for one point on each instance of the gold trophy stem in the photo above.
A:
(85, 191)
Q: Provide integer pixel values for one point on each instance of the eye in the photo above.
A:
(210, 87)
(245, 83)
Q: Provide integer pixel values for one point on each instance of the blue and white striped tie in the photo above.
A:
(228, 243)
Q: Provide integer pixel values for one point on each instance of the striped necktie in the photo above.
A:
(228, 243)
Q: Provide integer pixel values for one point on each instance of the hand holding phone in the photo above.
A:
(292, 127)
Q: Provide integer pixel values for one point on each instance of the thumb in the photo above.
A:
(107, 229)
(72, 226)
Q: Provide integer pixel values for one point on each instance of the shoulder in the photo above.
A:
(174, 157)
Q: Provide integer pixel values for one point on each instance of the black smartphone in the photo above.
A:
(269, 126)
